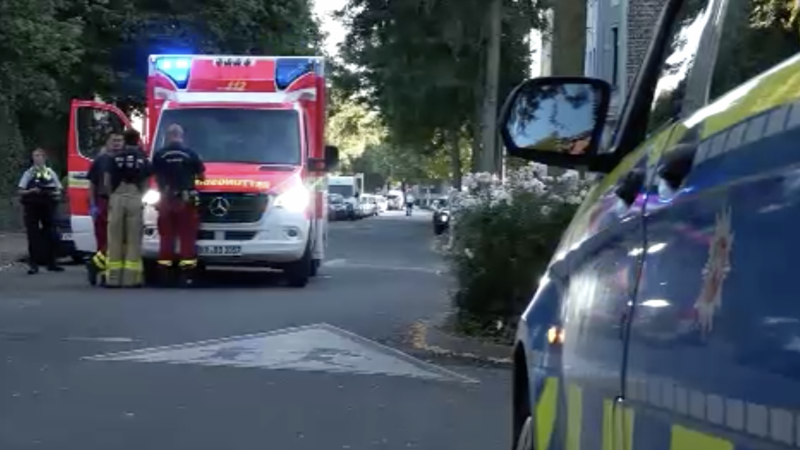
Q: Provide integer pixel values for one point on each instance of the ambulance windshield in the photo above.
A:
(229, 135)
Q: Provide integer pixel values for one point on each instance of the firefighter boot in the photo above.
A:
(96, 267)
(187, 273)
(165, 275)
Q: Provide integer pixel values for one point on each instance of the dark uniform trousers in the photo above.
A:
(125, 226)
(178, 220)
(39, 211)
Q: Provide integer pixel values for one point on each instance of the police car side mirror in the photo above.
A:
(331, 157)
(557, 121)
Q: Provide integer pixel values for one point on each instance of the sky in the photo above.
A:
(334, 30)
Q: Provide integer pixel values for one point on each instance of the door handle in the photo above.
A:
(677, 164)
(630, 186)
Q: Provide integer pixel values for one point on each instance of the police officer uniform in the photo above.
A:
(176, 167)
(41, 193)
(127, 178)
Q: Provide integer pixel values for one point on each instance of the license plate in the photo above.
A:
(66, 236)
(220, 250)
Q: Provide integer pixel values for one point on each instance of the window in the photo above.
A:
(750, 44)
(670, 97)
(252, 136)
(615, 57)
(93, 127)
(345, 190)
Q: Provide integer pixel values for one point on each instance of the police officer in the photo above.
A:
(40, 191)
(127, 180)
(176, 167)
(98, 203)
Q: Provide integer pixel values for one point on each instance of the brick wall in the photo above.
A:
(642, 16)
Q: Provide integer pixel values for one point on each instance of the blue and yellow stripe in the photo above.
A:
(657, 415)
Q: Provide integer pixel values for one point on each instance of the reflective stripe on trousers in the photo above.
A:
(125, 225)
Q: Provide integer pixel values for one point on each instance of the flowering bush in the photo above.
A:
(502, 237)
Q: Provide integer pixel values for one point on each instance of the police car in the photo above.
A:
(669, 316)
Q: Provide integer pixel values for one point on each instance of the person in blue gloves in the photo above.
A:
(98, 204)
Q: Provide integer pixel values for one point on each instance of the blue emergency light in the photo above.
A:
(177, 68)
(287, 70)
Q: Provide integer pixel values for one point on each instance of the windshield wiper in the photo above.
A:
(268, 166)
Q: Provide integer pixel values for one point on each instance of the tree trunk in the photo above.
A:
(491, 88)
(454, 149)
(12, 153)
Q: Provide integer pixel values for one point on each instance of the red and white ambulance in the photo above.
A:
(259, 124)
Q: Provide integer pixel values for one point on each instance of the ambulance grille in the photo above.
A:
(232, 207)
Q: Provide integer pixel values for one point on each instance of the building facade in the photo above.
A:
(618, 34)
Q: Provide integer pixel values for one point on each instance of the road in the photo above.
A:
(246, 364)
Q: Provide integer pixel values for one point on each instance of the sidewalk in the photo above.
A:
(13, 246)
(431, 336)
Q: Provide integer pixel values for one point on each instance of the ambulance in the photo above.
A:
(258, 122)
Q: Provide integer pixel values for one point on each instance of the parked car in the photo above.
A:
(368, 205)
(383, 204)
(667, 317)
(441, 216)
(337, 208)
(396, 200)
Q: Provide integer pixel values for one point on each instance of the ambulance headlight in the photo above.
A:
(296, 199)
(151, 197)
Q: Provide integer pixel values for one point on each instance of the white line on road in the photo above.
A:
(116, 340)
(343, 263)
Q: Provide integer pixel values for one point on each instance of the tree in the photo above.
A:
(55, 50)
(421, 64)
(38, 48)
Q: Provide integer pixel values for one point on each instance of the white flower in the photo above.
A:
(574, 199)
(546, 210)
(468, 253)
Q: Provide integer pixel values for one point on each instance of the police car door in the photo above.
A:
(712, 361)
(90, 123)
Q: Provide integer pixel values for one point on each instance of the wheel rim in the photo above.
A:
(525, 439)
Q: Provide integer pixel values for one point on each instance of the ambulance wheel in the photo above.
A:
(299, 272)
(315, 265)
(150, 273)
(78, 257)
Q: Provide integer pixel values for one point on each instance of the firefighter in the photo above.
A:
(176, 167)
(98, 204)
(127, 180)
(40, 192)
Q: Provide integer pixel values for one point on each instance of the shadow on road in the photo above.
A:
(215, 278)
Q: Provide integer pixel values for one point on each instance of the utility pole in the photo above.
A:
(489, 148)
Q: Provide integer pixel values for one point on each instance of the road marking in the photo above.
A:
(345, 264)
(117, 340)
(313, 348)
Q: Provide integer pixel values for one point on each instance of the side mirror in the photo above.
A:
(331, 157)
(557, 121)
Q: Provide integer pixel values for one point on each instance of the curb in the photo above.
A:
(426, 336)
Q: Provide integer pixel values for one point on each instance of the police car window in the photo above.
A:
(753, 40)
(237, 135)
(670, 100)
(93, 127)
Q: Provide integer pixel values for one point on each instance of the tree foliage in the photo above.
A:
(420, 63)
(52, 51)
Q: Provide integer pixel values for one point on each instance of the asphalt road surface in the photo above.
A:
(247, 363)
